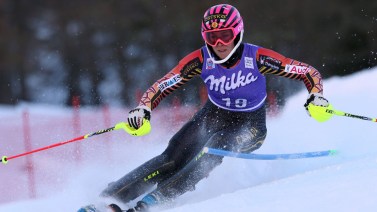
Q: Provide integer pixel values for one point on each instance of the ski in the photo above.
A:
(93, 208)
(254, 156)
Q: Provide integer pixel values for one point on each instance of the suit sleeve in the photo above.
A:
(271, 62)
(187, 68)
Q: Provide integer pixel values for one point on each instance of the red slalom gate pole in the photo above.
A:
(76, 126)
(106, 119)
(29, 160)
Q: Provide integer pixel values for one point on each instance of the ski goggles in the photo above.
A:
(224, 36)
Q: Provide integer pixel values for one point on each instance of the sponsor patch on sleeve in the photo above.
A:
(270, 62)
(296, 69)
(190, 67)
(169, 82)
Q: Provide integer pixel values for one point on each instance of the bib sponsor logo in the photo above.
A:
(249, 62)
(230, 83)
(170, 82)
(296, 69)
(209, 64)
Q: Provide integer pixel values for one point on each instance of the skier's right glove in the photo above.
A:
(136, 116)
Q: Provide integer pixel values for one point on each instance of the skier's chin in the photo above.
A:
(222, 53)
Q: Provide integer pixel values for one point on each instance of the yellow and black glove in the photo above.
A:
(316, 106)
(138, 121)
(136, 116)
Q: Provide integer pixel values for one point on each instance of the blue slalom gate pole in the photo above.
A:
(254, 156)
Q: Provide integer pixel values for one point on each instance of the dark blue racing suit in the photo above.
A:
(233, 119)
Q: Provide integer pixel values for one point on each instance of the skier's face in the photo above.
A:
(222, 51)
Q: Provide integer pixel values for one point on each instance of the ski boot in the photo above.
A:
(88, 208)
(140, 206)
(115, 208)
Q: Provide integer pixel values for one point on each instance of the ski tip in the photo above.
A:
(333, 152)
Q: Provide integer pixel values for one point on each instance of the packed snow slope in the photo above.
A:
(345, 182)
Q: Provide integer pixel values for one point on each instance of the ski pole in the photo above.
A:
(323, 114)
(144, 129)
(341, 113)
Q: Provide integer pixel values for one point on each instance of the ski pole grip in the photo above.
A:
(320, 113)
(143, 130)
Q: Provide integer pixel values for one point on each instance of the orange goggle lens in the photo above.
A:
(225, 36)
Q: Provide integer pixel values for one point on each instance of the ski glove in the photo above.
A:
(136, 116)
(316, 99)
(316, 106)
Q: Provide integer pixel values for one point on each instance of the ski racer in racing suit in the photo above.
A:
(233, 119)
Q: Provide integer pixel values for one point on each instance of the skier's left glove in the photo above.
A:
(316, 106)
(316, 99)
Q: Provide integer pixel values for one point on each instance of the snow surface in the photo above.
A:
(345, 182)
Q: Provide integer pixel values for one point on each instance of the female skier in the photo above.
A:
(233, 119)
